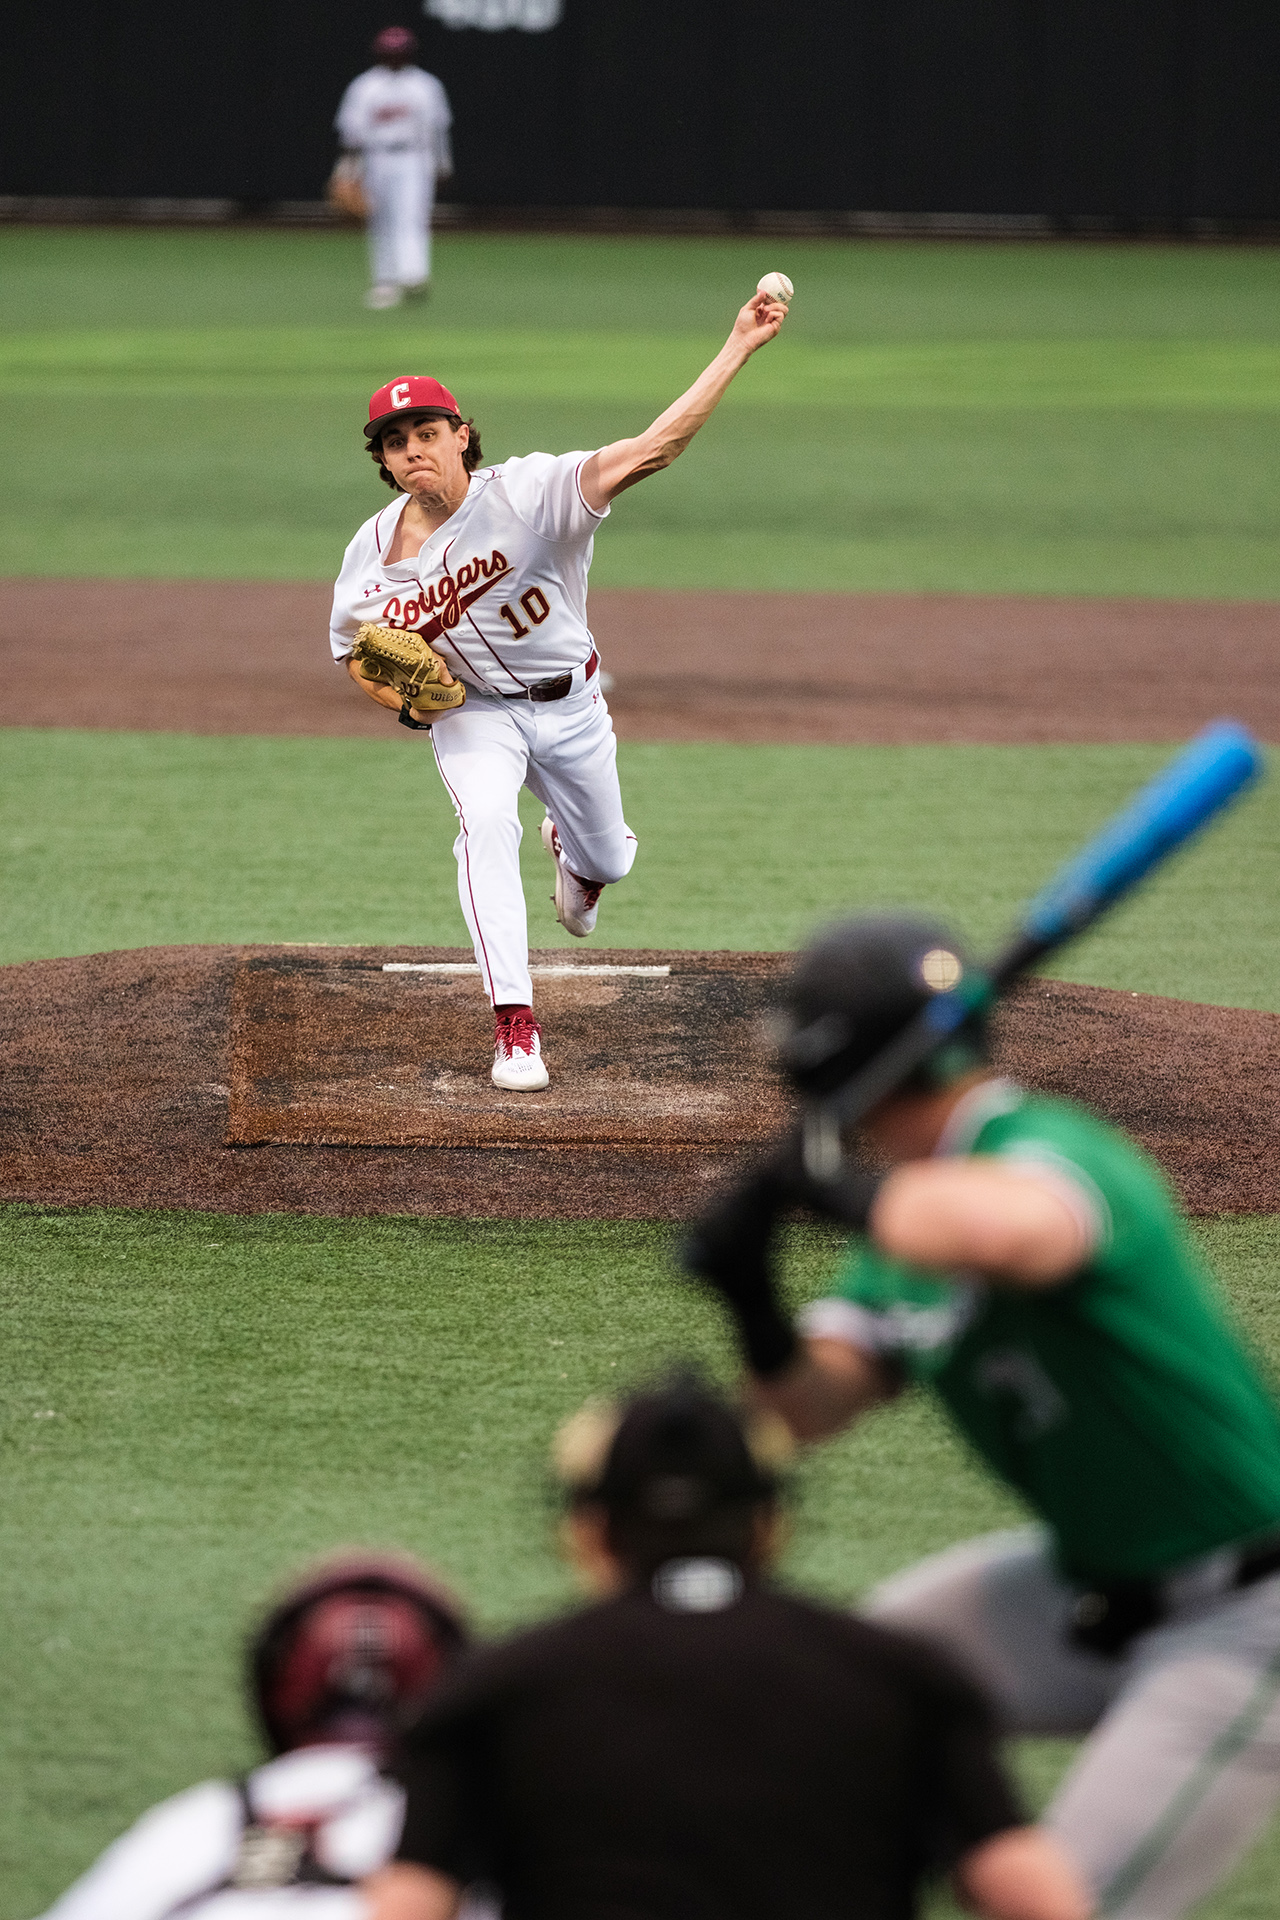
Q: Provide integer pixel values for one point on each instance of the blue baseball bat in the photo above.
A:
(1218, 765)
(1206, 776)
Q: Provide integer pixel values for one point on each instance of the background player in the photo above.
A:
(397, 118)
(698, 1743)
(490, 565)
(350, 1650)
(1024, 1260)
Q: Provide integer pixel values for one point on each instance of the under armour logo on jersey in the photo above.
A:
(492, 16)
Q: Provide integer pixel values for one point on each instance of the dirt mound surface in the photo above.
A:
(668, 1054)
(114, 1092)
(246, 657)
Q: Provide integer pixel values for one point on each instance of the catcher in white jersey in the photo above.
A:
(397, 118)
(351, 1651)
(489, 564)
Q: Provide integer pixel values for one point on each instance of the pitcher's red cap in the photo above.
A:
(411, 393)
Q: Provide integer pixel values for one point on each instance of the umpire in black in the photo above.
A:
(699, 1745)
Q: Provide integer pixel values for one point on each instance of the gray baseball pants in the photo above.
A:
(1181, 1769)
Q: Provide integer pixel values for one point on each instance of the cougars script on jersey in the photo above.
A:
(500, 590)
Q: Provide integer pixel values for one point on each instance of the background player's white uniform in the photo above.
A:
(399, 119)
(500, 590)
(216, 1852)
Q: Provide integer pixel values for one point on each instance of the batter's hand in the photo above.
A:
(731, 1249)
(759, 322)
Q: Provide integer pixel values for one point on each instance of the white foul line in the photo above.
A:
(469, 966)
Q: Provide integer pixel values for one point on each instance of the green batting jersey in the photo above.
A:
(1120, 1404)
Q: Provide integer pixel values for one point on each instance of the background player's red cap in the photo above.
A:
(395, 40)
(411, 393)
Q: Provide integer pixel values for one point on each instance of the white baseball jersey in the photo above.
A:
(404, 111)
(217, 1852)
(500, 590)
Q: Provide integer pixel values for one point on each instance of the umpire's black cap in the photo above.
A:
(672, 1452)
(857, 985)
(680, 1452)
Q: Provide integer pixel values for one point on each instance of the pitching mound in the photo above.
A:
(114, 1077)
(366, 1053)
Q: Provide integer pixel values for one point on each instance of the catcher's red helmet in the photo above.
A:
(352, 1651)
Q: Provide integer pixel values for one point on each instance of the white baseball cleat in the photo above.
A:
(577, 901)
(384, 295)
(517, 1053)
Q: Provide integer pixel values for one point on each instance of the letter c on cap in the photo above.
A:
(400, 396)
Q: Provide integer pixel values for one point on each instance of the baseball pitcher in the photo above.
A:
(462, 607)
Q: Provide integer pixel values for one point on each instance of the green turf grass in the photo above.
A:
(126, 840)
(195, 1402)
(1002, 417)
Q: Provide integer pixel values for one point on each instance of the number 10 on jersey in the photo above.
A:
(535, 604)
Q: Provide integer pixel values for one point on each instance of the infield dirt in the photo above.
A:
(244, 657)
(115, 1071)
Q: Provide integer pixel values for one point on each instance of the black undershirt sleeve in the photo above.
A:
(439, 1829)
(968, 1796)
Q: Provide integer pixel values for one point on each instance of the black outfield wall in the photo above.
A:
(1142, 112)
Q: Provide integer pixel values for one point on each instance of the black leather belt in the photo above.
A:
(557, 687)
(1106, 1618)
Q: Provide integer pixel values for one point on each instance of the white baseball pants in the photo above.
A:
(401, 190)
(1181, 1771)
(565, 752)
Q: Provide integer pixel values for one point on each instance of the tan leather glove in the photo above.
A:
(406, 663)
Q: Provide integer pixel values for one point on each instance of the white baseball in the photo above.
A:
(777, 286)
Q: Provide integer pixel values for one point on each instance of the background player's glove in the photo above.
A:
(404, 661)
(731, 1246)
(345, 188)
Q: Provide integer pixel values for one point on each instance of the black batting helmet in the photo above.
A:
(857, 985)
(351, 1652)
